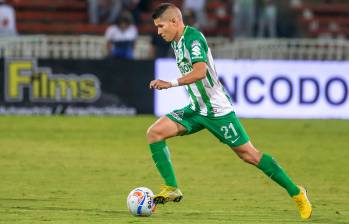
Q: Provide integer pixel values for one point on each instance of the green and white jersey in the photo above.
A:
(207, 96)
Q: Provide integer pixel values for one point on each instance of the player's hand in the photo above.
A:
(159, 84)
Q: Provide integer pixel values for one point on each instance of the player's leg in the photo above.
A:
(157, 133)
(248, 153)
(230, 131)
(178, 122)
(162, 129)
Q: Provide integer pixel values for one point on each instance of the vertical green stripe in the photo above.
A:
(208, 75)
(197, 106)
(204, 96)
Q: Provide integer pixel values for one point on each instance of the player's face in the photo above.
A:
(166, 29)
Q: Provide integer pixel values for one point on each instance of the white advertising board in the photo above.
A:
(270, 89)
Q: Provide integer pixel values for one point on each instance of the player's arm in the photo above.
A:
(198, 73)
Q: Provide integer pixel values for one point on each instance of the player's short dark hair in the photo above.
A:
(161, 9)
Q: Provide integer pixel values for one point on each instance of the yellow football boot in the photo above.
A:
(303, 203)
(167, 194)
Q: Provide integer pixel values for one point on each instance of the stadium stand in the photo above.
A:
(324, 18)
(54, 17)
(71, 17)
(57, 28)
(316, 18)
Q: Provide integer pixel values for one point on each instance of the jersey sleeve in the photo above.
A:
(197, 47)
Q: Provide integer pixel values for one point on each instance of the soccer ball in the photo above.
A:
(140, 202)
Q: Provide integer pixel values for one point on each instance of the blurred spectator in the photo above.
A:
(7, 19)
(159, 47)
(244, 18)
(104, 11)
(122, 36)
(189, 18)
(286, 22)
(198, 7)
(267, 19)
(133, 6)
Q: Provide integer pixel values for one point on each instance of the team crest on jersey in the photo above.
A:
(179, 52)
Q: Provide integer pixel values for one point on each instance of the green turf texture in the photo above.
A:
(81, 169)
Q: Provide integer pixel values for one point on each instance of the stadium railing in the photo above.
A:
(94, 47)
(44, 46)
(285, 49)
(64, 47)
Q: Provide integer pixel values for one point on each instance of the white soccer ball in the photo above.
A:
(140, 202)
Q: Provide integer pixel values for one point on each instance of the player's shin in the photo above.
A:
(272, 169)
(161, 157)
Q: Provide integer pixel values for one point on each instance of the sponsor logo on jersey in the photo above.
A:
(196, 51)
(196, 48)
(185, 68)
(195, 43)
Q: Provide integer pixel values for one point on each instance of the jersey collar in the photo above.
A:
(185, 30)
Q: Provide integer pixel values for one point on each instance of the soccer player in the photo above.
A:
(210, 107)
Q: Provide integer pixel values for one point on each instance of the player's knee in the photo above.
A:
(249, 160)
(249, 154)
(154, 134)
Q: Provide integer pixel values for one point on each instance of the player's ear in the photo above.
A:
(173, 20)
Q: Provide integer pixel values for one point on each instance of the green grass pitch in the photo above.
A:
(81, 169)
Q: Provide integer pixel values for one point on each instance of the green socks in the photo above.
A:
(270, 167)
(267, 164)
(161, 157)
